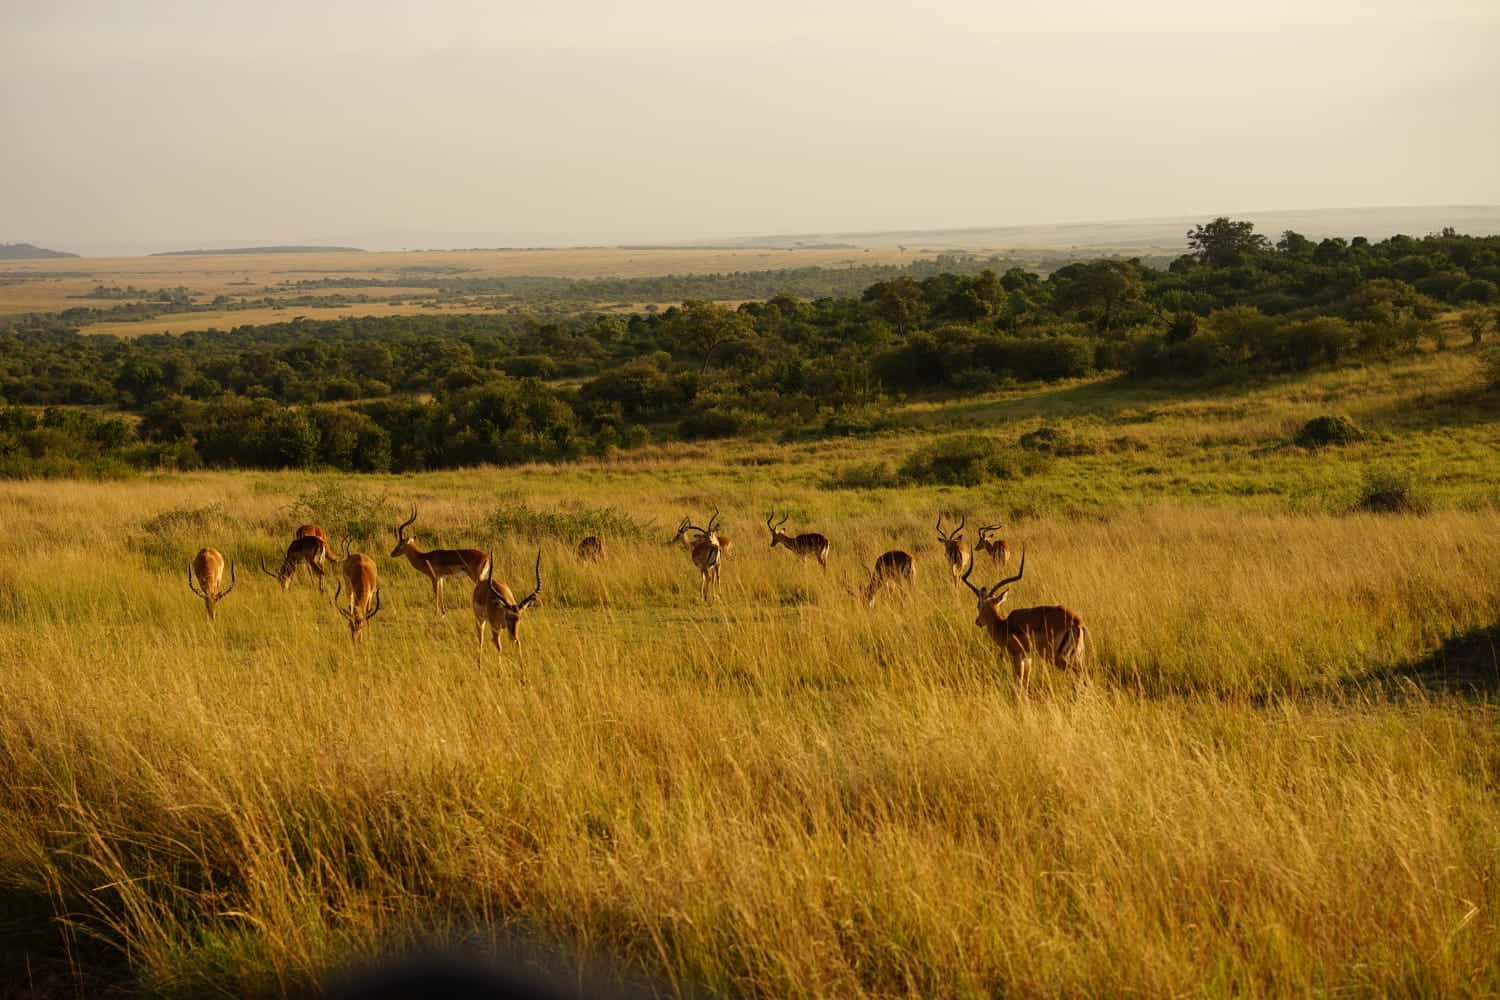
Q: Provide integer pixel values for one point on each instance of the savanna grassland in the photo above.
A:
(1278, 772)
(228, 290)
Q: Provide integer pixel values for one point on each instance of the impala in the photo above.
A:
(206, 575)
(439, 564)
(364, 595)
(591, 549)
(311, 531)
(1050, 632)
(811, 543)
(997, 548)
(893, 569)
(960, 557)
(309, 551)
(707, 550)
(496, 607)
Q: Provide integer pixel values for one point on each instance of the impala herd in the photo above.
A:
(1050, 633)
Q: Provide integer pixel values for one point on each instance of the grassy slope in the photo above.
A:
(780, 793)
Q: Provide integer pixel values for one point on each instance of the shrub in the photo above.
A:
(569, 526)
(713, 423)
(190, 520)
(1321, 432)
(968, 460)
(344, 512)
(864, 476)
(1054, 441)
(1387, 492)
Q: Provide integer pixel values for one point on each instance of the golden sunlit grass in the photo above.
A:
(774, 793)
(1275, 775)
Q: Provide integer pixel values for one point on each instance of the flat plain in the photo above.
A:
(239, 281)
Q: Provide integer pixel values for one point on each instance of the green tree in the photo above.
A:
(900, 300)
(1225, 243)
(1100, 285)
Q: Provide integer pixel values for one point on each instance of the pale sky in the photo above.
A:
(171, 124)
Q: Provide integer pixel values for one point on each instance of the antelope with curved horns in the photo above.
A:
(707, 550)
(311, 531)
(1050, 632)
(960, 557)
(305, 550)
(893, 569)
(997, 548)
(206, 575)
(364, 593)
(810, 543)
(439, 564)
(495, 606)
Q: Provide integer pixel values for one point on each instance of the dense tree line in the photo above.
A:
(415, 392)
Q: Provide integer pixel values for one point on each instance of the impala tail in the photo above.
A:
(1069, 649)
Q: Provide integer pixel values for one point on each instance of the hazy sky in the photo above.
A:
(162, 124)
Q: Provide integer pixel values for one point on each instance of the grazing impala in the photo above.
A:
(591, 549)
(811, 543)
(364, 594)
(707, 550)
(495, 606)
(307, 550)
(955, 549)
(1050, 632)
(206, 575)
(893, 569)
(311, 531)
(997, 548)
(439, 564)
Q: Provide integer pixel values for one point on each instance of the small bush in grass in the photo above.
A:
(344, 512)
(185, 519)
(1490, 362)
(968, 460)
(1054, 441)
(1388, 492)
(864, 476)
(519, 519)
(1321, 432)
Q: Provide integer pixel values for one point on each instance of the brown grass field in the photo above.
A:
(1275, 774)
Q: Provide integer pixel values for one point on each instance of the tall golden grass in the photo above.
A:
(1247, 791)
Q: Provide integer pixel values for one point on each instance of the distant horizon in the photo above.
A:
(1158, 232)
(166, 125)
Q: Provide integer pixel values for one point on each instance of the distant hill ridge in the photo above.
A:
(25, 251)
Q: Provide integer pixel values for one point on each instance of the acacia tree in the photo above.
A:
(1101, 284)
(1224, 243)
(899, 300)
